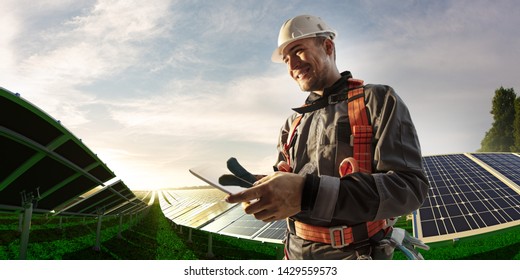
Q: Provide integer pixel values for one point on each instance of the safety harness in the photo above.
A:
(360, 140)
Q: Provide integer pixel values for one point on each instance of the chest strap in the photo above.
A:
(337, 237)
(361, 130)
(285, 166)
(361, 137)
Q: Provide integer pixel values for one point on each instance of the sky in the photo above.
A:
(155, 87)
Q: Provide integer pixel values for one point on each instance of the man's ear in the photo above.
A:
(329, 47)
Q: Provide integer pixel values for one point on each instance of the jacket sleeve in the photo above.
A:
(398, 185)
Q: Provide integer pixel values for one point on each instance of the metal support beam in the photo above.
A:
(189, 236)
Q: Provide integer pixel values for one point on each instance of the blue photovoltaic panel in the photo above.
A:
(464, 199)
(506, 164)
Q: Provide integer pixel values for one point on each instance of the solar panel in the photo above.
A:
(41, 159)
(507, 165)
(126, 208)
(246, 227)
(224, 220)
(193, 207)
(464, 199)
(204, 214)
(275, 232)
(106, 200)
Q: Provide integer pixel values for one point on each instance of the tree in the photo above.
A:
(499, 138)
(516, 127)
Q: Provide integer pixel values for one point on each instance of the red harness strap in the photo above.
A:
(286, 166)
(361, 137)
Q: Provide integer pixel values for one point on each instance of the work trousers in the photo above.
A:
(297, 248)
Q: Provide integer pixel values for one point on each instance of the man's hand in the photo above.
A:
(273, 197)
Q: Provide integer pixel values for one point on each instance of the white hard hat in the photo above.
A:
(300, 27)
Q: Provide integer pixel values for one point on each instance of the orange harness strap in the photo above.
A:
(286, 166)
(361, 130)
(361, 137)
(338, 237)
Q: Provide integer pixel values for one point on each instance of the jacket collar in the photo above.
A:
(340, 84)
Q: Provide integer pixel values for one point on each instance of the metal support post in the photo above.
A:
(25, 230)
(20, 222)
(97, 247)
(120, 226)
(189, 236)
(210, 247)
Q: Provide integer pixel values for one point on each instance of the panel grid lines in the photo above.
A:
(463, 196)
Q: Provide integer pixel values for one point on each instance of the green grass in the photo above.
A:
(153, 237)
(502, 245)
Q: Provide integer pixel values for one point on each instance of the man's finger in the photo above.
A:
(265, 215)
(244, 196)
(255, 207)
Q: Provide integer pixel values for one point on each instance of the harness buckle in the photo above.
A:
(342, 244)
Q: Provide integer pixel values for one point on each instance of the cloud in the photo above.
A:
(102, 41)
(245, 109)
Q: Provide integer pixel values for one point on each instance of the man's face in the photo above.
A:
(308, 63)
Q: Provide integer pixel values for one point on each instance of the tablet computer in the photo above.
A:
(214, 176)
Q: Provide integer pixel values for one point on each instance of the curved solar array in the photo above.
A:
(114, 199)
(204, 208)
(469, 194)
(44, 168)
(41, 159)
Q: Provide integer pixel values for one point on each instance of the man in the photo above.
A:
(333, 214)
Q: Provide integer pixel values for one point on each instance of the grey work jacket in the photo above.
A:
(398, 184)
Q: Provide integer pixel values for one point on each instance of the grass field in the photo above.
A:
(153, 237)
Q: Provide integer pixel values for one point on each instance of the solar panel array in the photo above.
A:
(115, 199)
(204, 208)
(469, 194)
(44, 163)
(44, 168)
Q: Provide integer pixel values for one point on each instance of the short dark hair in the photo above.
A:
(319, 40)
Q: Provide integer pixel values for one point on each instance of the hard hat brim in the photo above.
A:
(277, 53)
